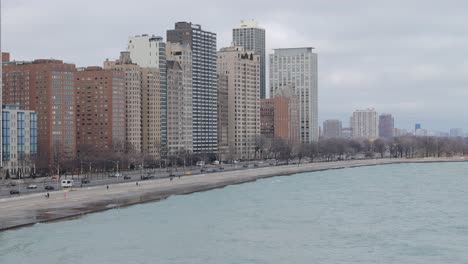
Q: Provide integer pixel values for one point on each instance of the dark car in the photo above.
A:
(202, 170)
(126, 177)
(221, 168)
(49, 188)
(245, 165)
(255, 165)
(85, 181)
(14, 192)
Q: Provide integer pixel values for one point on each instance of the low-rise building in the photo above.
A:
(19, 141)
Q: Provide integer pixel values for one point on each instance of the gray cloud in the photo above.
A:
(403, 57)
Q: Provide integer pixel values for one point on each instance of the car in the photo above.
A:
(49, 187)
(147, 177)
(202, 170)
(14, 192)
(245, 165)
(32, 186)
(11, 184)
(255, 165)
(172, 174)
(116, 175)
(214, 170)
(85, 181)
(221, 168)
(272, 164)
(126, 177)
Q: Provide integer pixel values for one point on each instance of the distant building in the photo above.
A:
(347, 132)
(242, 69)
(296, 68)
(204, 85)
(386, 126)
(456, 132)
(365, 124)
(100, 112)
(19, 141)
(332, 128)
(252, 38)
(47, 87)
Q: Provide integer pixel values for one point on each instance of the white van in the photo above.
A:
(67, 183)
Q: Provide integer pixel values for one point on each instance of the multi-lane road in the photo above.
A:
(105, 179)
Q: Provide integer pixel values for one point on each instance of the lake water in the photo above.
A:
(409, 213)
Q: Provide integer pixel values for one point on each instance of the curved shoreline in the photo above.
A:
(34, 208)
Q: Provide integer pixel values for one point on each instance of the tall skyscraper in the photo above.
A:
(150, 52)
(296, 68)
(204, 85)
(242, 69)
(223, 118)
(252, 38)
(365, 124)
(386, 126)
(332, 128)
(47, 87)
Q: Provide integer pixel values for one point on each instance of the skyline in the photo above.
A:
(374, 55)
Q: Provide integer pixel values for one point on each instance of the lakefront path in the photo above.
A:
(29, 209)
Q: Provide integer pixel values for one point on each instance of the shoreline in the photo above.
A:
(27, 210)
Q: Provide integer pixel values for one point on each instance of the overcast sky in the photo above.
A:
(408, 58)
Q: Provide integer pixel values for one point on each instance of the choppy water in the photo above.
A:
(412, 213)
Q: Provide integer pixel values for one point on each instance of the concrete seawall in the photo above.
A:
(35, 208)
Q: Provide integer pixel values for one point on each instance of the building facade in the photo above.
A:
(46, 87)
(252, 38)
(179, 99)
(223, 119)
(100, 112)
(365, 124)
(279, 116)
(142, 106)
(386, 126)
(204, 83)
(149, 52)
(296, 68)
(332, 128)
(19, 141)
(242, 69)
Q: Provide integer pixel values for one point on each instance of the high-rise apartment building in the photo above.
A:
(149, 52)
(46, 87)
(296, 69)
(100, 112)
(332, 128)
(204, 84)
(365, 124)
(386, 126)
(179, 98)
(223, 118)
(19, 141)
(242, 69)
(142, 106)
(250, 36)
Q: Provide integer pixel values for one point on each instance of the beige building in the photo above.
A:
(365, 124)
(142, 105)
(223, 116)
(179, 98)
(242, 69)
